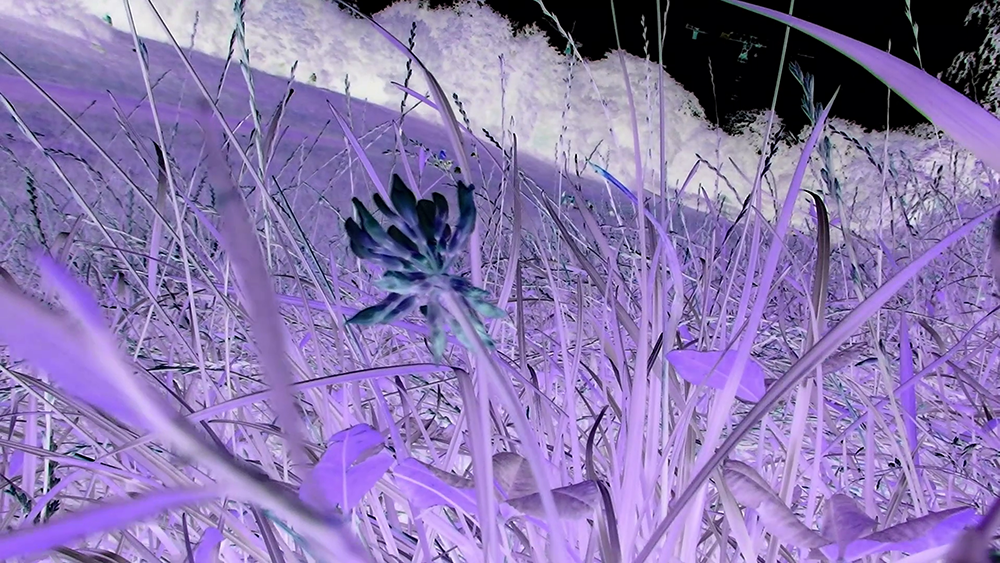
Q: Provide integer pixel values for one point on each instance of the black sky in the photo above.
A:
(749, 84)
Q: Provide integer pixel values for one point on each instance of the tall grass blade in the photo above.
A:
(239, 238)
(965, 121)
(32, 540)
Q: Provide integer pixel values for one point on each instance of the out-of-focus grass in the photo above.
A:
(186, 432)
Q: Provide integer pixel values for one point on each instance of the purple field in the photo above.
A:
(282, 284)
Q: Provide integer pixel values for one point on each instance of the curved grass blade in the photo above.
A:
(38, 539)
(54, 343)
(969, 124)
(821, 279)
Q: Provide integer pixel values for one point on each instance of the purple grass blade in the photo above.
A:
(239, 238)
(969, 124)
(425, 489)
(714, 368)
(53, 343)
(73, 527)
(353, 462)
(907, 397)
(15, 463)
(207, 550)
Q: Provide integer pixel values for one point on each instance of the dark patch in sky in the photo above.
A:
(745, 48)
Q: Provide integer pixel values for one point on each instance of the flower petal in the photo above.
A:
(376, 313)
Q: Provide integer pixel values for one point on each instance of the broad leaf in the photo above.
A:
(425, 489)
(513, 474)
(933, 530)
(714, 368)
(353, 462)
(572, 502)
(778, 519)
(914, 536)
(844, 521)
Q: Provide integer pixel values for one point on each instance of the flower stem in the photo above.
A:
(533, 452)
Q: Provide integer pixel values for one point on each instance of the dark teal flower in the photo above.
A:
(417, 249)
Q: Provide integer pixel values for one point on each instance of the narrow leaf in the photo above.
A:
(404, 201)
(404, 283)
(440, 213)
(466, 218)
(376, 314)
(239, 238)
(67, 529)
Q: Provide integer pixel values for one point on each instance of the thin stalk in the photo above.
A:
(503, 385)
